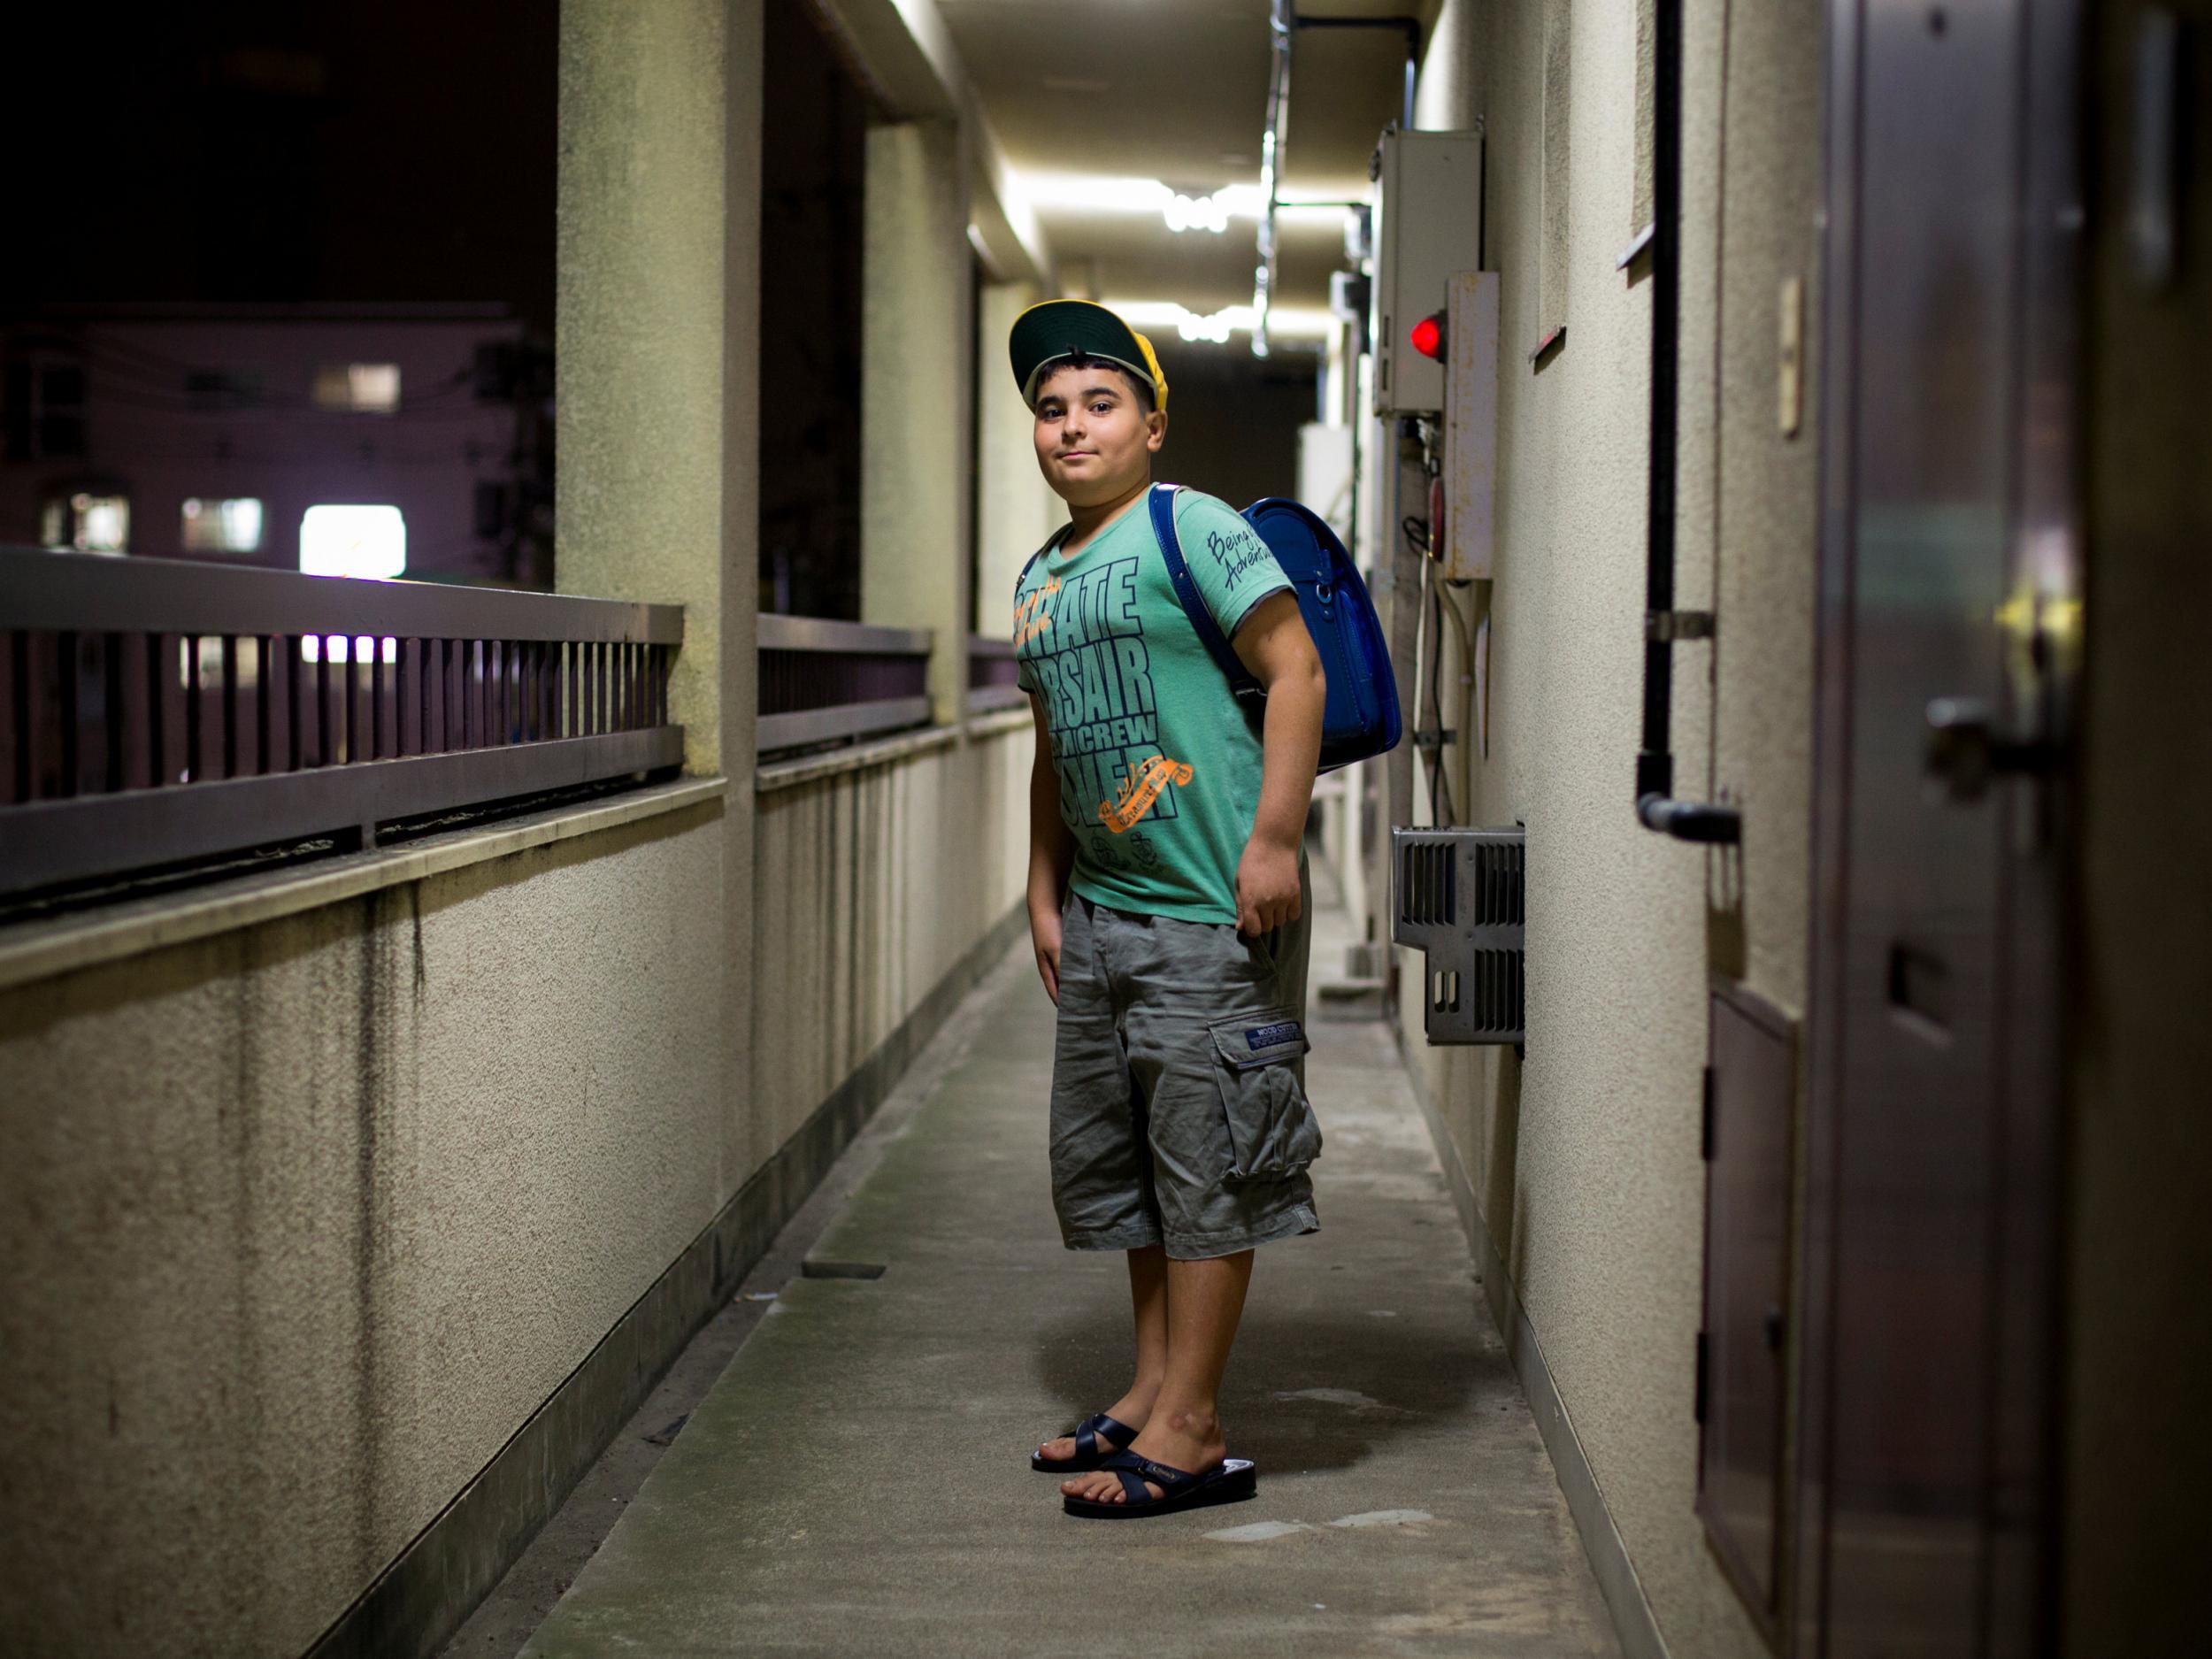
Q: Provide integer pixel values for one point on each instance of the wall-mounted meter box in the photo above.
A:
(1428, 224)
(1471, 426)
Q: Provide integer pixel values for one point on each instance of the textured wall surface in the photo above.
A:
(305, 1219)
(1585, 1160)
(872, 884)
(916, 457)
(1016, 507)
(302, 1220)
(641, 333)
(658, 381)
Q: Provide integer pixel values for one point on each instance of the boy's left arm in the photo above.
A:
(1274, 643)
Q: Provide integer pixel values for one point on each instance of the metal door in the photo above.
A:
(1949, 571)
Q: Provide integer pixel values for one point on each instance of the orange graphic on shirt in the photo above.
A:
(1139, 790)
(1029, 616)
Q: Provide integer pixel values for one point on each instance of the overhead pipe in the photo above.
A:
(1283, 23)
(1655, 805)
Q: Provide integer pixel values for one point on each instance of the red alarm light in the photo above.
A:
(1428, 336)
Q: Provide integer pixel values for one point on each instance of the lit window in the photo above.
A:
(366, 541)
(370, 388)
(222, 526)
(343, 645)
(95, 524)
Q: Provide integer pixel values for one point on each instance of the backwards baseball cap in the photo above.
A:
(1059, 329)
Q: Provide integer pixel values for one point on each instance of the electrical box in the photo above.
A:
(1428, 214)
(1461, 897)
(1470, 424)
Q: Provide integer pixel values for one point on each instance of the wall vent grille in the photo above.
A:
(1461, 897)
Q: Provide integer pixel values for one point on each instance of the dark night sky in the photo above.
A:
(231, 152)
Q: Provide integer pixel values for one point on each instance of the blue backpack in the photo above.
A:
(1361, 718)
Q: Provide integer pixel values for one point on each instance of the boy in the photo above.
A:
(1166, 884)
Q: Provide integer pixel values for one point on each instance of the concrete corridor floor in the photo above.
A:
(857, 1481)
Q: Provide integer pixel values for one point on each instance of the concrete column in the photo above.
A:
(1018, 510)
(916, 429)
(656, 379)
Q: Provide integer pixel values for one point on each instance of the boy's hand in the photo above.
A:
(1268, 894)
(1044, 933)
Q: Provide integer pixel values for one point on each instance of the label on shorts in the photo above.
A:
(1267, 1036)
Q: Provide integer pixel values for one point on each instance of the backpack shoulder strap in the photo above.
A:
(1161, 503)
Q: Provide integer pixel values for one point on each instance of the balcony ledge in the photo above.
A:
(40, 950)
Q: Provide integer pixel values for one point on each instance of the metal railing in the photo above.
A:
(993, 675)
(822, 680)
(156, 712)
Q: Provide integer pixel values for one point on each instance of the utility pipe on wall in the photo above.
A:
(1283, 23)
(1655, 805)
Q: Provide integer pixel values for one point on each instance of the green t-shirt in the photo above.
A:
(1159, 764)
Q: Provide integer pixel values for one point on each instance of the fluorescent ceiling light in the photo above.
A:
(1103, 192)
(1283, 322)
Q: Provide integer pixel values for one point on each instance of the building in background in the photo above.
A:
(374, 440)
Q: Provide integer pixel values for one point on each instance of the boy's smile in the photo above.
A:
(1095, 440)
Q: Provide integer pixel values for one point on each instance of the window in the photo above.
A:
(216, 389)
(231, 524)
(86, 523)
(365, 388)
(368, 541)
(44, 408)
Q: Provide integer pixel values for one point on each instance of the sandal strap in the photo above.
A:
(1101, 1427)
(1133, 1472)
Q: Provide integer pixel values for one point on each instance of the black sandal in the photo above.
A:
(1088, 1454)
(1232, 1480)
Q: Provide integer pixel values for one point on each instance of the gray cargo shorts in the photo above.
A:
(1179, 1114)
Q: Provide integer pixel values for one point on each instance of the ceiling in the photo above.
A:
(1176, 91)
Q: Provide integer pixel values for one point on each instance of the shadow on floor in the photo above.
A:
(1305, 1390)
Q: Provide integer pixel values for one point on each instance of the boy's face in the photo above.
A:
(1095, 440)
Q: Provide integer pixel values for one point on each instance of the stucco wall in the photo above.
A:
(1585, 1160)
(302, 1220)
(871, 885)
(917, 449)
(648, 297)
(657, 378)
(1017, 511)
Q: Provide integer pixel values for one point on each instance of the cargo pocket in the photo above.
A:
(1273, 1130)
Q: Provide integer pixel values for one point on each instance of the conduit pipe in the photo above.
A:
(1283, 23)
(1655, 805)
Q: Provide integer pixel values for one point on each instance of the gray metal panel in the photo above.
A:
(1428, 204)
(51, 842)
(851, 719)
(982, 698)
(778, 632)
(1750, 1104)
(42, 589)
(1460, 897)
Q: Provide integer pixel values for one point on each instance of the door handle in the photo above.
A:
(1965, 748)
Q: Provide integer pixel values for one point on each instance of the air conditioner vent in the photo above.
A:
(1461, 897)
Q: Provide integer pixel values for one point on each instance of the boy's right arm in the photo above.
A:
(1051, 855)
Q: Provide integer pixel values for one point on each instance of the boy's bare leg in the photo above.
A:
(1147, 1294)
(1205, 1301)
